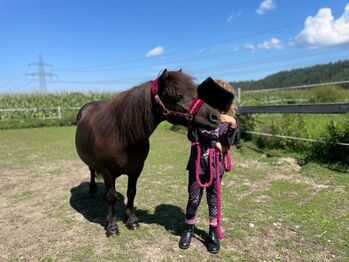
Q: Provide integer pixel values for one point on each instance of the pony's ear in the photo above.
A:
(180, 70)
(215, 95)
(163, 80)
(164, 74)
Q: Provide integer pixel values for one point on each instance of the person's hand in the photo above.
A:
(219, 147)
(229, 120)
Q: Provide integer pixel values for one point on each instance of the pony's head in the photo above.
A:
(177, 91)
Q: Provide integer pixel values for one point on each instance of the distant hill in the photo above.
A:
(330, 72)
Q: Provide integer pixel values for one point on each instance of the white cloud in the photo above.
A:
(235, 49)
(157, 51)
(273, 43)
(251, 47)
(265, 6)
(234, 16)
(323, 30)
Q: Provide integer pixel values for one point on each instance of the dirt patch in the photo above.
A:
(30, 209)
(250, 163)
(289, 162)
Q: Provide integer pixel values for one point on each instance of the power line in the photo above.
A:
(191, 59)
(223, 71)
(20, 85)
(267, 60)
(188, 49)
(254, 69)
(227, 67)
(13, 79)
(83, 68)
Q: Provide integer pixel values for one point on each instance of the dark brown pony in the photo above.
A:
(112, 137)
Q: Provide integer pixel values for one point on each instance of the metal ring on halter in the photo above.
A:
(189, 117)
(165, 111)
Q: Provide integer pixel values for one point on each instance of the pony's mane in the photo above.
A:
(130, 115)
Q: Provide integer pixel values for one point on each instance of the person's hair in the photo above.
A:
(227, 87)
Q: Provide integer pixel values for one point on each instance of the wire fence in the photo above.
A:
(291, 137)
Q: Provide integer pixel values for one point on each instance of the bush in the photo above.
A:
(327, 94)
(289, 125)
(246, 123)
(329, 151)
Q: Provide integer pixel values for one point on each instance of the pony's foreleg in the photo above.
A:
(109, 181)
(130, 217)
(93, 185)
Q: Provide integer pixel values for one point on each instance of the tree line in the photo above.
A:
(322, 73)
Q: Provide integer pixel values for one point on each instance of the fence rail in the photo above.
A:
(48, 113)
(294, 87)
(330, 108)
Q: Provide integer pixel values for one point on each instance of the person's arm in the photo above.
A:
(229, 120)
(228, 132)
(218, 146)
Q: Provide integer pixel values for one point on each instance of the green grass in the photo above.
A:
(297, 216)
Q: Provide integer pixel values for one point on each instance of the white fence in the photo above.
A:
(8, 114)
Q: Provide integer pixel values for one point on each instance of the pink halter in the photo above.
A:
(192, 111)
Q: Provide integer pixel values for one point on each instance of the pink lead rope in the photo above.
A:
(227, 167)
(219, 211)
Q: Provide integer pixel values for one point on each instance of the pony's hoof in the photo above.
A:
(133, 225)
(112, 233)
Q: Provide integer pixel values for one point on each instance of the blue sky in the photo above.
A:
(105, 45)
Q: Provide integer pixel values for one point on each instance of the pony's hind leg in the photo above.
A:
(93, 185)
(109, 181)
(130, 217)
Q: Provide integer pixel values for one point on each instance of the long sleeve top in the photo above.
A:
(208, 139)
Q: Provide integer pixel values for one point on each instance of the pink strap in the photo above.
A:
(227, 162)
(197, 167)
(218, 182)
(219, 211)
(154, 86)
(195, 106)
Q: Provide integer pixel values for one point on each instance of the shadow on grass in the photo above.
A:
(94, 209)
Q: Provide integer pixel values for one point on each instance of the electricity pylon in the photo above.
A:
(42, 73)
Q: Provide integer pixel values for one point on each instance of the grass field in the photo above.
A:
(273, 210)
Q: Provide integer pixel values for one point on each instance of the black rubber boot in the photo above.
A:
(213, 245)
(184, 242)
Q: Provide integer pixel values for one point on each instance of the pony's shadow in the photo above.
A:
(94, 209)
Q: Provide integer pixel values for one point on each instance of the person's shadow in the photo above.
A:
(94, 209)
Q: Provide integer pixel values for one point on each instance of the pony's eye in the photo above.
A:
(179, 96)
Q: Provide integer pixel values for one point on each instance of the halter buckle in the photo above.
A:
(189, 117)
